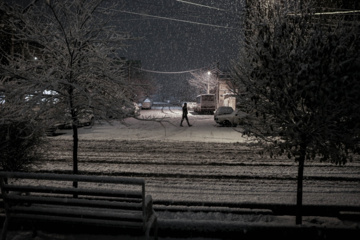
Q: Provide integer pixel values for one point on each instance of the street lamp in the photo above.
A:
(208, 85)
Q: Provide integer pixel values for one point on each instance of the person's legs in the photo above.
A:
(187, 120)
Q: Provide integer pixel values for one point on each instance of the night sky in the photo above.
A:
(181, 35)
(178, 35)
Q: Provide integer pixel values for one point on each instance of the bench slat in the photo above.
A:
(69, 201)
(78, 191)
(97, 222)
(72, 177)
(79, 212)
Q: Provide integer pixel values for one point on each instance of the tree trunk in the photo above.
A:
(75, 154)
(75, 135)
(75, 151)
(300, 184)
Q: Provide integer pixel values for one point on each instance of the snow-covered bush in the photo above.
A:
(71, 49)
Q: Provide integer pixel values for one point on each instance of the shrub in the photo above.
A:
(19, 145)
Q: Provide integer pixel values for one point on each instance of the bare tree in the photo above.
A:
(301, 69)
(204, 80)
(68, 63)
(144, 84)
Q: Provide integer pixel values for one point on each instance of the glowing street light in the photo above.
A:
(208, 85)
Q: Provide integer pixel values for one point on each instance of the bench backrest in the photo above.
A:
(56, 189)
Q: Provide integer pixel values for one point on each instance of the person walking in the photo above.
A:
(184, 115)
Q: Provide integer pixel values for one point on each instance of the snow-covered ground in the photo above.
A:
(167, 128)
(202, 163)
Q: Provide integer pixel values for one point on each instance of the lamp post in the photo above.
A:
(208, 84)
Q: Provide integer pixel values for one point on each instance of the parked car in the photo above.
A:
(227, 116)
(191, 105)
(85, 118)
(223, 110)
(146, 104)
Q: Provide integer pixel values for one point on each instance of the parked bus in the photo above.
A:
(205, 103)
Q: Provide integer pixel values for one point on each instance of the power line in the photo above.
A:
(174, 19)
(200, 5)
(338, 12)
(162, 72)
(331, 13)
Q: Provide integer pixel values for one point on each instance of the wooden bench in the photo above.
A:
(99, 201)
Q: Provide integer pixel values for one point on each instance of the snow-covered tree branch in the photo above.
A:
(301, 72)
(63, 59)
(203, 81)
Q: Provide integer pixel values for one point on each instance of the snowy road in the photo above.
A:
(187, 164)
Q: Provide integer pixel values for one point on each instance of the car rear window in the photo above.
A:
(225, 110)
